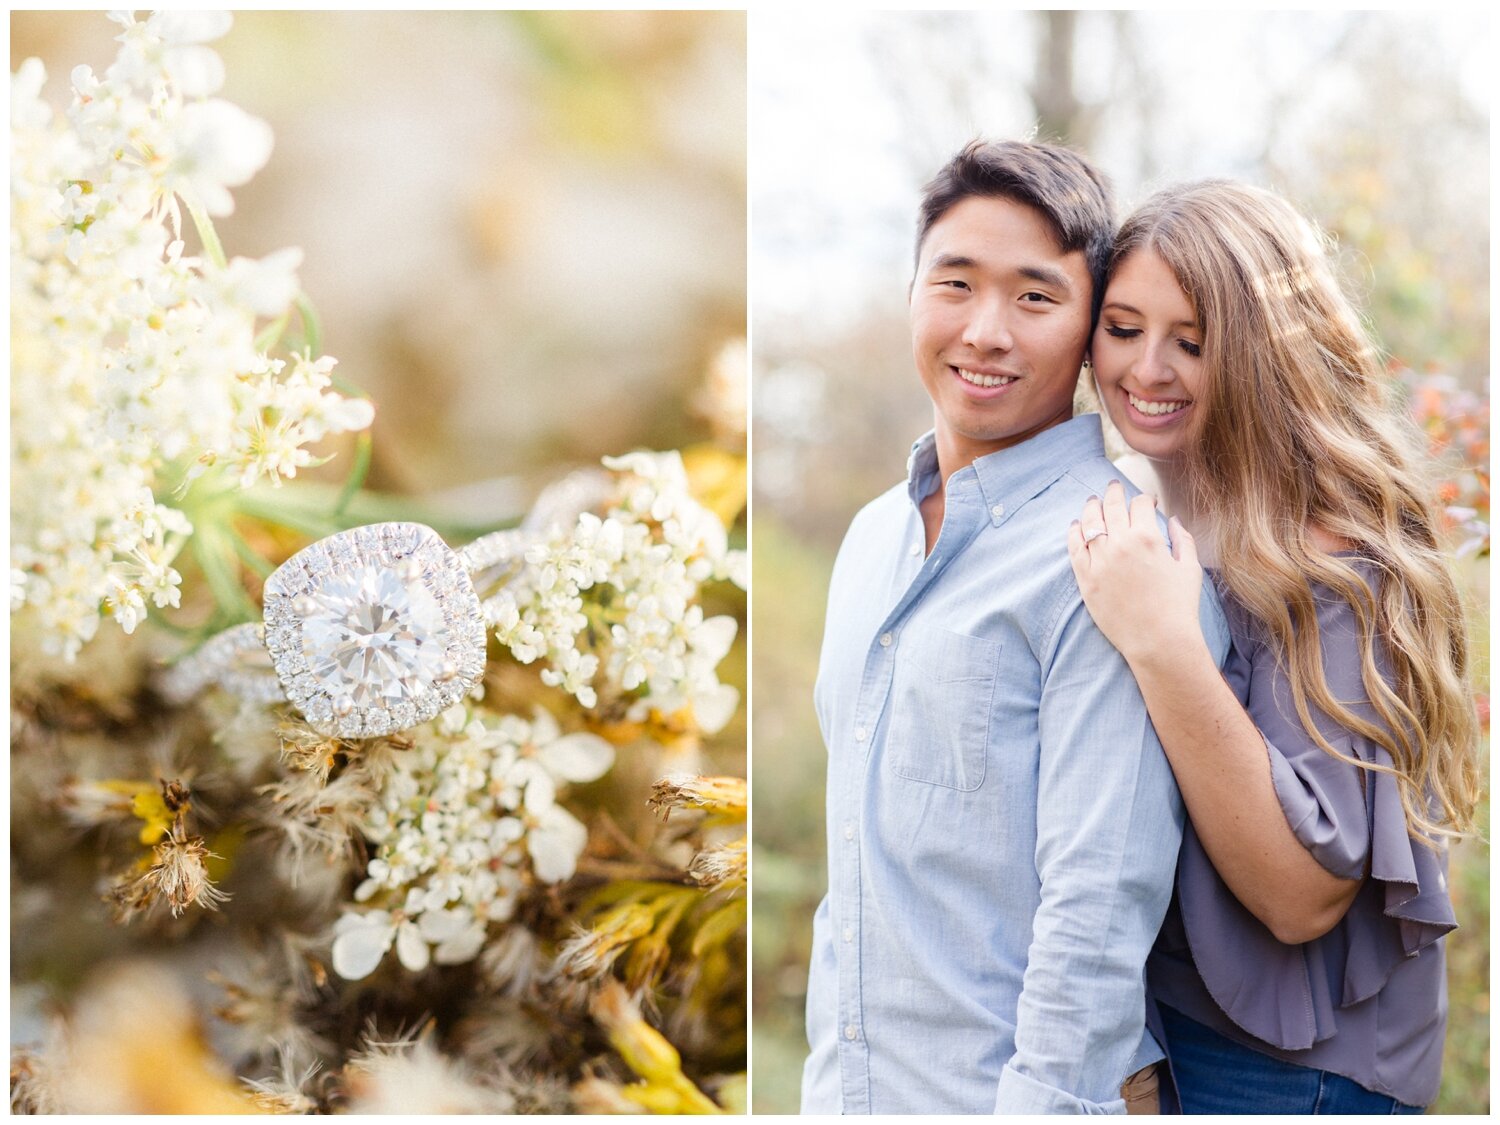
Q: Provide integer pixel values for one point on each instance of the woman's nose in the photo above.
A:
(1151, 366)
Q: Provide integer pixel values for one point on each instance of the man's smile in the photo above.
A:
(983, 381)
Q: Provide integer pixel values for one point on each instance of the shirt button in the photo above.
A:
(848, 831)
(848, 933)
(916, 549)
(885, 640)
(860, 734)
(998, 510)
(851, 1032)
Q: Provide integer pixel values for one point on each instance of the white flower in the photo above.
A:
(555, 842)
(266, 286)
(360, 942)
(180, 28)
(221, 146)
(458, 937)
(458, 819)
(132, 365)
(611, 602)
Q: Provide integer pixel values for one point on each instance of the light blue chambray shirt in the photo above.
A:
(1003, 826)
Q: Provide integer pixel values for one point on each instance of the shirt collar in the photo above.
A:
(1010, 477)
(921, 466)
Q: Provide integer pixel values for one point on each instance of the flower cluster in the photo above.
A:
(135, 366)
(611, 602)
(1456, 424)
(456, 820)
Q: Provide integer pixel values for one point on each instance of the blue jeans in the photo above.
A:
(1218, 1075)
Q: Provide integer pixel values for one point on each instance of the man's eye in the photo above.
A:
(1191, 348)
(1122, 333)
(1037, 298)
(954, 283)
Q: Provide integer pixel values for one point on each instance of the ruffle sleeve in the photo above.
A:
(1351, 821)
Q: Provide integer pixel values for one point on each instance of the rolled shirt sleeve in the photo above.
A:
(1109, 823)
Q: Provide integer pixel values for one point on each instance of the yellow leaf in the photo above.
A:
(717, 479)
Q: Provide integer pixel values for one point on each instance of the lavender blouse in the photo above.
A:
(1368, 999)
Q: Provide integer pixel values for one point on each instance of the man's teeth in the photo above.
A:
(1155, 407)
(984, 380)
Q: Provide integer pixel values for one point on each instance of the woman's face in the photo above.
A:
(1147, 356)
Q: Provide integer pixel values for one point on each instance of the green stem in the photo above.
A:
(363, 446)
(250, 556)
(316, 509)
(216, 558)
(207, 235)
(312, 327)
(270, 335)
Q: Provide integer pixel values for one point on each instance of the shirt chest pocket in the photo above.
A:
(942, 696)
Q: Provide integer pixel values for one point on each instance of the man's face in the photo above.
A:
(999, 326)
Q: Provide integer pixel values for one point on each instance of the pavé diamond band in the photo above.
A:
(368, 632)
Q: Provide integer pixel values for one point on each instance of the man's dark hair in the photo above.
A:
(1071, 193)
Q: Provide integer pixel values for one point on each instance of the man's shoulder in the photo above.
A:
(1090, 476)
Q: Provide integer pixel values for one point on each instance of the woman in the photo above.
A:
(1299, 969)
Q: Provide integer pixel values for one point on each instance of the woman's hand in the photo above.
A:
(1142, 595)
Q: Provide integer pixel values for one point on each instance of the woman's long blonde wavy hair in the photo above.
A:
(1295, 431)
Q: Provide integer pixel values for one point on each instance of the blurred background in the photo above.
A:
(524, 232)
(1375, 124)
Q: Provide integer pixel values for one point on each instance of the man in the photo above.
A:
(1002, 823)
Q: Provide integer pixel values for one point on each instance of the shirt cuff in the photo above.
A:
(1018, 1093)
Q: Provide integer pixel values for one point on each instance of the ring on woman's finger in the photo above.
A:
(1093, 533)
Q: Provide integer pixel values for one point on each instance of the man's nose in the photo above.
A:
(987, 329)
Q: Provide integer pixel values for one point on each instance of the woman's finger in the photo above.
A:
(1116, 514)
(1091, 524)
(1078, 554)
(1143, 513)
(1183, 547)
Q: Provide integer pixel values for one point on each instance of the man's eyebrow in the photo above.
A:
(1044, 274)
(951, 262)
(1047, 276)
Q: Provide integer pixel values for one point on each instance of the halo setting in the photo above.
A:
(374, 630)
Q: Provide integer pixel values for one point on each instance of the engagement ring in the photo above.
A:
(365, 633)
(1092, 534)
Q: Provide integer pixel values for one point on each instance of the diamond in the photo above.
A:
(375, 636)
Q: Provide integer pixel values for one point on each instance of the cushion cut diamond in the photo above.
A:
(383, 629)
(374, 637)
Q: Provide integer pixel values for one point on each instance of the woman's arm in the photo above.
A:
(1145, 600)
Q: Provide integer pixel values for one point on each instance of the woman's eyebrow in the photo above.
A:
(1123, 307)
